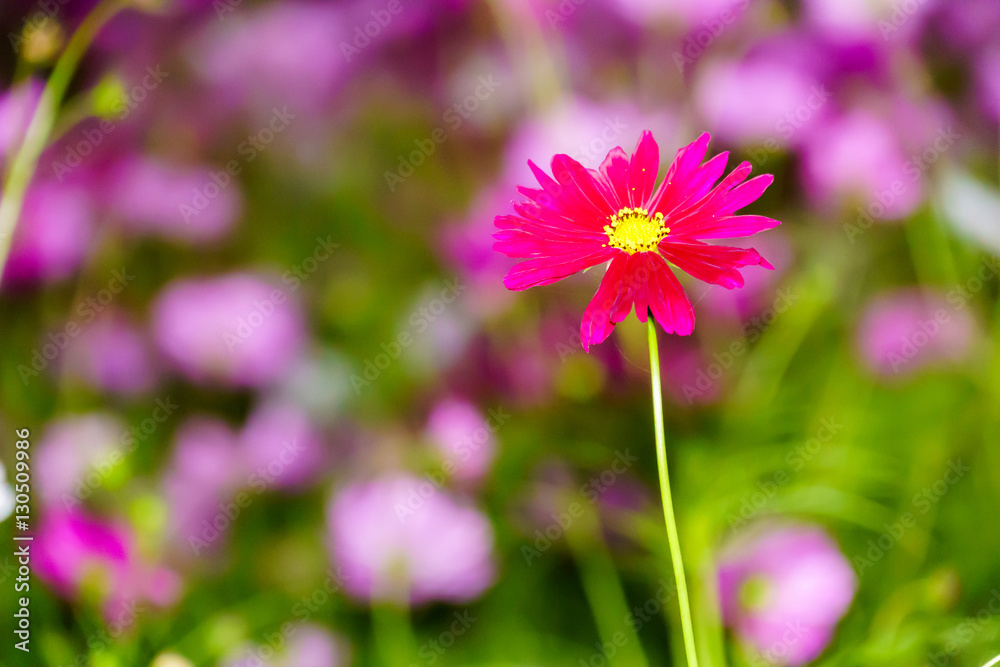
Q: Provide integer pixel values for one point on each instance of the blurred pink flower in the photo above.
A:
(16, 108)
(240, 329)
(871, 19)
(693, 14)
(783, 590)
(53, 234)
(146, 195)
(281, 446)
(859, 157)
(76, 455)
(205, 470)
(399, 537)
(112, 354)
(76, 554)
(274, 55)
(313, 646)
(727, 93)
(301, 645)
(463, 437)
(908, 330)
(988, 82)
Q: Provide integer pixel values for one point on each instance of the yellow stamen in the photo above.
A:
(633, 230)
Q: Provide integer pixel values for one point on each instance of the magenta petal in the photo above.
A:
(730, 227)
(670, 306)
(597, 325)
(615, 172)
(713, 264)
(547, 270)
(643, 168)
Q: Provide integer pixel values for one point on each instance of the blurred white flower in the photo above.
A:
(6, 495)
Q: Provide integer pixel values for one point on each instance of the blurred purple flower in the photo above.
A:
(783, 590)
(908, 330)
(112, 354)
(281, 446)
(53, 234)
(75, 456)
(463, 437)
(79, 555)
(238, 329)
(146, 195)
(399, 537)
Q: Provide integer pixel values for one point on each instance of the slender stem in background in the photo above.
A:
(392, 634)
(668, 503)
(603, 589)
(40, 128)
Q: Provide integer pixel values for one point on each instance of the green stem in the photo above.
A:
(392, 634)
(668, 503)
(603, 589)
(37, 135)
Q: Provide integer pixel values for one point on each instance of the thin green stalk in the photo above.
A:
(22, 169)
(668, 503)
(392, 634)
(604, 591)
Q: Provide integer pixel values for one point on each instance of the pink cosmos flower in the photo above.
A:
(583, 218)
(398, 537)
(784, 589)
(76, 552)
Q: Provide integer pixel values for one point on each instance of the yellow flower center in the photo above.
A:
(632, 230)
